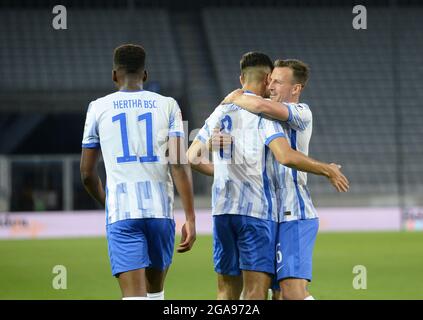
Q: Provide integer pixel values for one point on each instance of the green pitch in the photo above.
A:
(394, 264)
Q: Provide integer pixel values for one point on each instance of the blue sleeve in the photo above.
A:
(176, 124)
(206, 131)
(300, 116)
(271, 130)
(91, 138)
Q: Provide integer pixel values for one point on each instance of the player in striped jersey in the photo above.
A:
(243, 202)
(134, 129)
(298, 219)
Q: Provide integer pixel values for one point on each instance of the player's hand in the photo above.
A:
(337, 179)
(188, 236)
(230, 98)
(219, 140)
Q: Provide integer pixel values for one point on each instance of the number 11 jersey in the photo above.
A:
(132, 130)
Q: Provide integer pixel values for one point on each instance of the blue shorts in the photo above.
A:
(294, 249)
(243, 243)
(140, 243)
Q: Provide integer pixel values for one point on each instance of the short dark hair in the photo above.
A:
(300, 70)
(255, 66)
(129, 57)
(255, 59)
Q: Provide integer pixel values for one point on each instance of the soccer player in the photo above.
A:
(243, 199)
(298, 219)
(141, 137)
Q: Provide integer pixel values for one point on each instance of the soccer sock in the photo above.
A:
(134, 298)
(309, 298)
(156, 295)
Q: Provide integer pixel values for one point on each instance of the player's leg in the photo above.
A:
(294, 289)
(256, 285)
(277, 295)
(226, 259)
(132, 283)
(128, 253)
(161, 239)
(229, 287)
(275, 290)
(294, 268)
(256, 243)
(155, 283)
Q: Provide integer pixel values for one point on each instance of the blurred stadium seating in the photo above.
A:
(352, 89)
(365, 90)
(41, 60)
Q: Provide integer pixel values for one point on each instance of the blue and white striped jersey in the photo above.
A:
(132, 129)
(294, 201)
(243, 174)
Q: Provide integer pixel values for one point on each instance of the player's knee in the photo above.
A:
(229, 288)
(224, 295)
(293, 290)
(255, 293)
(224, 292)
(292, 295)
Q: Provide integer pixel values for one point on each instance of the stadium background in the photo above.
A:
(365, 91)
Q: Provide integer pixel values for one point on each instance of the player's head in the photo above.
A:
(255, 68)
(288, 79)
(129, 61)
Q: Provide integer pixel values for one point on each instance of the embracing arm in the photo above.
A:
(254, 104)
(197, 160)
(289, 157)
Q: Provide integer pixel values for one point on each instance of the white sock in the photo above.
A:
(134, 298)
(309, 298)
(156, 296)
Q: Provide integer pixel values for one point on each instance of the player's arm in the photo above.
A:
(182, 178)
(89, 176)
(297, 160)
(271, 109)
(196, 157)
